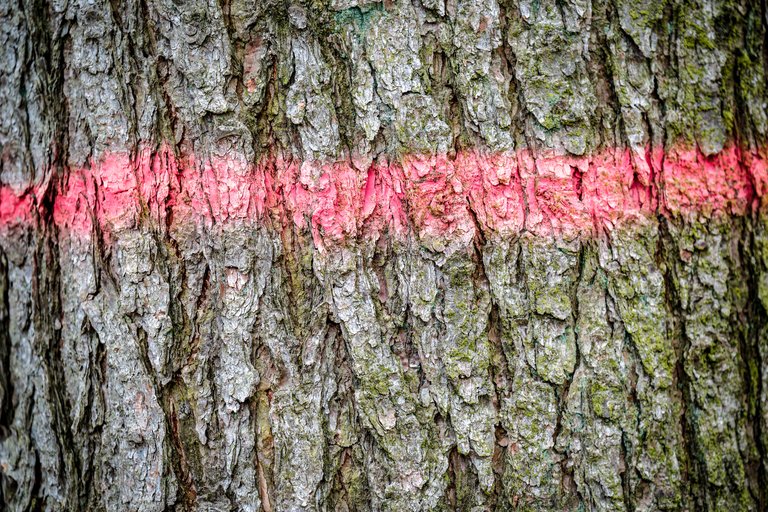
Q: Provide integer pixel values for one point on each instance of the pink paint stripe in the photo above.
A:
(440, 198)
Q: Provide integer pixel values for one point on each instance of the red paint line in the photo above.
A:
(545, 194)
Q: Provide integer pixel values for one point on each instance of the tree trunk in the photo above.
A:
(414, 255)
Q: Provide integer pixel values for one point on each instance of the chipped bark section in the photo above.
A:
(170, 359)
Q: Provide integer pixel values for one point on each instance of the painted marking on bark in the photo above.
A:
(545, 194)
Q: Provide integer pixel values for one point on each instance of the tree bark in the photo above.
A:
(265, 255)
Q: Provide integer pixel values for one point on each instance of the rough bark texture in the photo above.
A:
(179, 352)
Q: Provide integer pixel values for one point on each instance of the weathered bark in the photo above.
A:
(251, 255)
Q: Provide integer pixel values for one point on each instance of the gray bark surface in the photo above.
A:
(239, 367)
